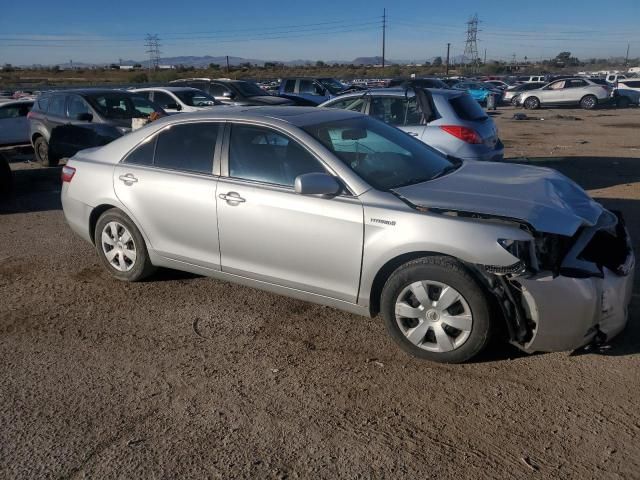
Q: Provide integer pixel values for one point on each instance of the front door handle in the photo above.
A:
(128, 179)
(413, 134)
(232, 198)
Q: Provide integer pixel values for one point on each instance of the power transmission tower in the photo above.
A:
(471, 45)
(384, 32)
(152, 42)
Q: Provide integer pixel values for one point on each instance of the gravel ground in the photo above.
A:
(188, 377)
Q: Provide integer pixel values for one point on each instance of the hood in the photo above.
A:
(541, 197)
(269, 100)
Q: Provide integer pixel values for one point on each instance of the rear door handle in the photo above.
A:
(232, 198)
(413, 134)
(128, 179)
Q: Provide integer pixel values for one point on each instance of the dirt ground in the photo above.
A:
(188, 377)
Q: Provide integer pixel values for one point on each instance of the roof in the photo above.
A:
(87, 91)
(168, 89)
(397, 92)
(297, 116)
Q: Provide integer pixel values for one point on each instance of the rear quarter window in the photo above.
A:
(467, 108)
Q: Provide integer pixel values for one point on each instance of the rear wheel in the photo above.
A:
(532, 103)
(41, 150)
(588, 102)
(121, 247)
(623, 102)
(434, 309)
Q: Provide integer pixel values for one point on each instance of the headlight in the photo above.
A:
(522, 250)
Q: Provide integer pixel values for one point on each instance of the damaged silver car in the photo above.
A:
(340, 209)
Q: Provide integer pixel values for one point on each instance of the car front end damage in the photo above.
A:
(566, 292)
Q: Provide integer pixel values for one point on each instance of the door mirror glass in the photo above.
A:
(84, 117)
(317, 184)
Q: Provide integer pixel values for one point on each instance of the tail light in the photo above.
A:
(465, 134)
(67, 173)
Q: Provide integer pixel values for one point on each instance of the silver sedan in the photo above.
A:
(341, 209)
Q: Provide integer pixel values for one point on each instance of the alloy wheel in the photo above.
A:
(433, 316)
(118, 246)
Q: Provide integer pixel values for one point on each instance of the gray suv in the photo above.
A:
(450, 121)
(107, 114)
(341, 209)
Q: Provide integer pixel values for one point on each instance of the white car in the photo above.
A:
(178, 99)
(14, 125)
(567, 91)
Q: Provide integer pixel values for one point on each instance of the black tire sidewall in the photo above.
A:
(142, 267)
(585, 106)
(531, 103)
(450, 272)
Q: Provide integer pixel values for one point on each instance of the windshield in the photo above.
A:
(248, 89)
(381, 155)
(195, 98)
(331, 84)
(121, 105)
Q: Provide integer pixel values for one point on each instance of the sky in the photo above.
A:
(48, 32)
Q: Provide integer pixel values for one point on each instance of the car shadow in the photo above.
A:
(34, 190)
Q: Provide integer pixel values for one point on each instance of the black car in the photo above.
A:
(234, 92)
(109, 112)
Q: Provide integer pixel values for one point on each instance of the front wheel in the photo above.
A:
(589, 102)
(121, 247)
(434, 309)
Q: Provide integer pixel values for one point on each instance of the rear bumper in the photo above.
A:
(485, 154)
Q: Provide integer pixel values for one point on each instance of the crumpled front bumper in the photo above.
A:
(569, 312)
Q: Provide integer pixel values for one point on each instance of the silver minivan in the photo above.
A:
(341, 209)
(450, 121)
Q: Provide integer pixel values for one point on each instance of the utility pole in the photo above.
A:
(384, 32)
(485, 56)
(227, 64)
(471, 45)
(448, 48)
(626, 59)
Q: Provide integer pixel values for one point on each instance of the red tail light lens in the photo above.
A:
(67, 173)
(465, 134)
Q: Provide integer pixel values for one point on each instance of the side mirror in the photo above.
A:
(173, 106)
(84, 117)
(317, 184)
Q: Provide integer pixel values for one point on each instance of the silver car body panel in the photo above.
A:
(540, 197)
(564, 96)
(331, 250)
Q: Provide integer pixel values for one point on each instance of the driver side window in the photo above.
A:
(264, 155)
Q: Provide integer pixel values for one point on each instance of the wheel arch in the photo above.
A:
(95, 215)
(387, 269)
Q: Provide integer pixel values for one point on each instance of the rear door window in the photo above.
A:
(390, 110)
(289, 86)
(75, 106)
(56, 106)
(163, 99)
(15, 111)
(143, 153)
(187, 147)
(467, 108)
(353, 104)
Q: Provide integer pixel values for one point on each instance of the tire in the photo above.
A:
(623, 102)
(532, 103)
(514, 101)
(41, 152)
(431, 335)
(588, 102)
(130, 262)
(6, 179)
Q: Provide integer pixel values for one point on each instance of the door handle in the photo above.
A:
(232, 198)
(128, 179)
(413, 134)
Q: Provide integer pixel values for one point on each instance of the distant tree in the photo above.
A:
(427, 63)
(320, 64)
(214, 66)
(55, 68)
(139, 78)
(137, 65)
(8, 67)
(437, 62)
